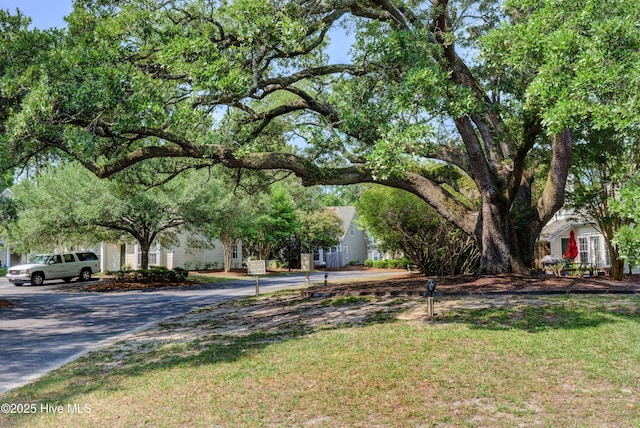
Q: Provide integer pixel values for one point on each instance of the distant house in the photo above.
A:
(592, 246)
(115, 257)
(352, 247)
(375, 253)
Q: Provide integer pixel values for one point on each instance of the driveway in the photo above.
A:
(52, 324)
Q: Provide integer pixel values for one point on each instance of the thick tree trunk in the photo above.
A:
(617, 264)
(144, 255)
(617, 269)
(498, 240)
(227, 249)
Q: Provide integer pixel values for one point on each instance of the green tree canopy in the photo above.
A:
(397, 219)
(627, 237)
(321, 228)
(605, 161)
(68, 206)
(230, 82)
(274, 223)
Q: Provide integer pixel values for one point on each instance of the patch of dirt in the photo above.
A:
(284, 315)
(5, 304)
(415, 284)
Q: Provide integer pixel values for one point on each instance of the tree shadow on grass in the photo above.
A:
(221, 334)
(243, 328)
(543, 317)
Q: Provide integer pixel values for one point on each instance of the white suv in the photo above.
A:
(64, 266)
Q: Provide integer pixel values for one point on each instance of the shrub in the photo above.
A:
(156, 273)
(393, 264)
(3, 271)
(368, 263)
(181, 274)
(404, 262)
(381, 264)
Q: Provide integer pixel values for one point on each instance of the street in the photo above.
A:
(54, 324)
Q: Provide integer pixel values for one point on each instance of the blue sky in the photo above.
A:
(44, 13)
(50, 13)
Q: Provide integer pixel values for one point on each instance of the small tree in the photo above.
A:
(627, 237)
(274, 223)
(216, 213)
(318, 229)
(604, 161)
(69, 206)
(402, 223)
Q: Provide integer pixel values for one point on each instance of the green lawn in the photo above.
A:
(280, 360)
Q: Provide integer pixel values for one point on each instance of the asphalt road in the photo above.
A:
(54, 324)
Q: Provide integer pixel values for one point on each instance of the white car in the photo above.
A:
(64, 266)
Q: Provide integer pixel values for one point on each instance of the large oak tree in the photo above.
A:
(493, 95)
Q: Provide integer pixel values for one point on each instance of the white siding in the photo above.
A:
(591, 245)
(194, 258)
(178, 256)
(109, 257)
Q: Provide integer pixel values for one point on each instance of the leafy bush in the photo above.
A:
(393, 264)
(402, 223)
(153, 274)
(403, 263)
(181, 274)
(400, 263)
(381, 264)
(3, 271)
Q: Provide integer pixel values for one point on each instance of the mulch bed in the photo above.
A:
(118, 285)
(414, 284)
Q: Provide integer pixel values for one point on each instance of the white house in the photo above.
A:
(114, 257)
(592, 247)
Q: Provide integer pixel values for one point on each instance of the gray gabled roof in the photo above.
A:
(346, 214)
(6, 193)
(556, 228)
(553, 229)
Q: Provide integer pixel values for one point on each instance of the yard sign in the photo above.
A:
(257, 268)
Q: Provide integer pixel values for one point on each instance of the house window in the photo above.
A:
(352, 230)
(592, 251)
(583, 247)
(234, 253)
(153, 255)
